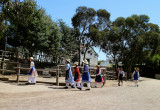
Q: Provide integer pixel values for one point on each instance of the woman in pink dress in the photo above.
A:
(99, 78)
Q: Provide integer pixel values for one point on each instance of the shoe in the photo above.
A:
(137, 85)
(95, 86)
(33, 83)
(118, 84)
(79, 88)
(27, 83)
(72, 87)
(87, 89)
(66, 87)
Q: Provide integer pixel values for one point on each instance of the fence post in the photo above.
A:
(57, 76)
(2, 62)
(19, 71)
(18, 65)
(104, 76)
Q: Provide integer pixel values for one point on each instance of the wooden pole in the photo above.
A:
(19, 71)
(2, 63)
(18, 65)
(57, 76)
(104, 76)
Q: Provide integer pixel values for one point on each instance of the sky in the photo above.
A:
(65, 9)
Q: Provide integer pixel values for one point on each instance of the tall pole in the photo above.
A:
(79, 53)
(5, 47)
(6, 8)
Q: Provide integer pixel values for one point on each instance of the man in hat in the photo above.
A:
(86, 76)
(68, 77)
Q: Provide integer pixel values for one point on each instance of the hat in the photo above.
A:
(31, 58)
(76, 63)
(135, 68)
(98, 66)
(68, 60)
(85, 62)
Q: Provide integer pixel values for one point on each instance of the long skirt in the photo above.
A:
(86, 77)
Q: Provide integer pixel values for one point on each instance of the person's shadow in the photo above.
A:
(57, 88)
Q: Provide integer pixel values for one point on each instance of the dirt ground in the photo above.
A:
(42, 96)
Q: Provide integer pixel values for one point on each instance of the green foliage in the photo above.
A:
(130, 40)
(31, 28)
(90, 25)
(99, 62)
(68, 42)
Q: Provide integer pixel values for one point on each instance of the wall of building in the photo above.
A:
(91, 56)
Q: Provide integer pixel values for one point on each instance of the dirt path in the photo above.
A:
(111, 97)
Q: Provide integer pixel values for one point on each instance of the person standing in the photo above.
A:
(68, 77)
(117, 74)
(121, 74)
(77, 75)
(32, 73)
(99, 78)
(85, 76)
(135, 75)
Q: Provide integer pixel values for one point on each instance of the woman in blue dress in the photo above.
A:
(68, 77)
(32, 74)
(86, 76)
(136, 76)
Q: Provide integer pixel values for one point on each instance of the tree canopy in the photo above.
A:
(132, 40)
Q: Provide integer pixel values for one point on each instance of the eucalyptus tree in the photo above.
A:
(130, 39)
(89, 21)
(69, 41)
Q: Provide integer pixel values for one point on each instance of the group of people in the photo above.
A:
(85, 76)
(121, 75)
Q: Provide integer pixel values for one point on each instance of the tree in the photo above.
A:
(32, 29)
(112, 44)
(130, 39)
(87, 21)
(3, 22)
(69, 41)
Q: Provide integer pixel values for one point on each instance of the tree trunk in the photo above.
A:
(85, 53)
(79, 53)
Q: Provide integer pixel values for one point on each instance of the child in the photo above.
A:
(86, 76)
(77, 75)
(68, 78)
(121, 74)
(32, 73)
(136, 76)
(99, 78)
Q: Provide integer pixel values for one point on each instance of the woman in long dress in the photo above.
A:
(136, 76)
(85, 76)
(99, 78)
(77, 75)
(68, 77)
(121, 74)
(32, 73)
